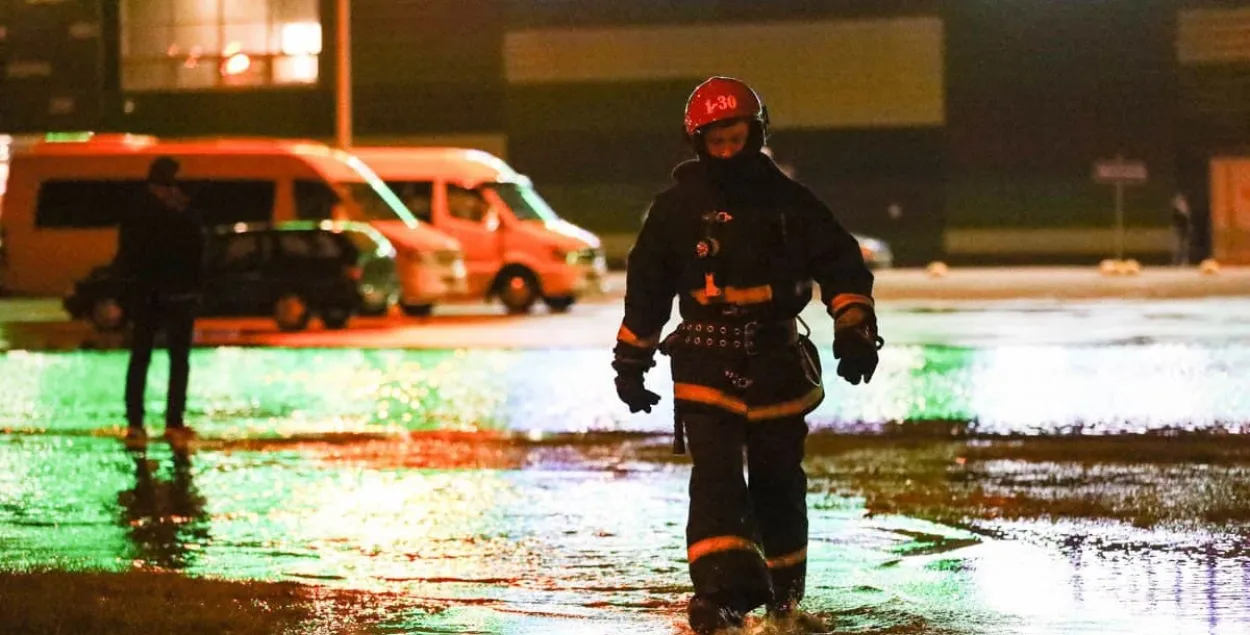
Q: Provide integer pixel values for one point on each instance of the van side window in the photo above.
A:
(86, 204)
(416, 195)
(314, 200)
(228, 201)
(466, 204)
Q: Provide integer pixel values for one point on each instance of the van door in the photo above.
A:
(471, 220)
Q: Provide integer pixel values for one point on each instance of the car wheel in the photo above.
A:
(335, 317)
(290, 311)
(518, 290)
(560, 303)
(417, 310)
(107, 315)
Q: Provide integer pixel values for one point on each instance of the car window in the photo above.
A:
(466, 204)
(326, 245)
(294, 245)
(241, 251)
(416, 195)
(309, 245)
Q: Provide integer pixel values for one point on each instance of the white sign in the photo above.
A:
(1120, 171)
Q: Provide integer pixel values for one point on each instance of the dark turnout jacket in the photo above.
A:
(764, 239)
(161, 246)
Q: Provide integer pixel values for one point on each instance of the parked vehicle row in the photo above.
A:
(462, 223)
(293, 271)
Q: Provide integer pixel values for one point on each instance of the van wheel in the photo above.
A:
(518, 290)
(335, 317)
(290, 311)
(107, 315)
(417, 310)
(559, 303)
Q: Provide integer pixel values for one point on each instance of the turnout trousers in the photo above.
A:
(746, 537)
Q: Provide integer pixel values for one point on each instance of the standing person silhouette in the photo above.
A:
(159, 256)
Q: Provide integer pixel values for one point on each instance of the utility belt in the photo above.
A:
(742, 338)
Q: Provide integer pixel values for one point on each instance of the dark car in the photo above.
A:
(292, 271)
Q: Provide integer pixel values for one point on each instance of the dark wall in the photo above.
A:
(51, 61)
(1035, 93)
(568, 13)
(1038, 91)
(427, 67)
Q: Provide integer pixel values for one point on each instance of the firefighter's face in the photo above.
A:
(723, 142)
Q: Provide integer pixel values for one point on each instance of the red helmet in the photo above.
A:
(721, 99)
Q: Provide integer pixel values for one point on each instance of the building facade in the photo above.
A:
(962, 130)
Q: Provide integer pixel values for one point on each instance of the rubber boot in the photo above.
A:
(707, 617)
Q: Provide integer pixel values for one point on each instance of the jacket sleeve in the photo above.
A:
(125, 261)
(834, 260)
(650, 286)
(200, 234)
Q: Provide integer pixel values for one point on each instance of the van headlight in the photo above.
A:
(577, 256)
(441, 258)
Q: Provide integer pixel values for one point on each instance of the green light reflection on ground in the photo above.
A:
(263, 392)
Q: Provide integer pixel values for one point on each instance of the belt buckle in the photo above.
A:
(748, 337)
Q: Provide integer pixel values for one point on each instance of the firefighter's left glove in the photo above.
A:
(855, 343)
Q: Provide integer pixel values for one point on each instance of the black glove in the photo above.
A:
(855, 343)
(630, 389)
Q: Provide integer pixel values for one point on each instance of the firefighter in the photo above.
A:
(740, 244)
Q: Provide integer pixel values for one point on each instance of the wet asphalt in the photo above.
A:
(1017, 466)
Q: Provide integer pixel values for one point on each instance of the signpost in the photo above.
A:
(1119, 173)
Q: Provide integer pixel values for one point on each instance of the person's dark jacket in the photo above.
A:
(161, 244)
(775, 239)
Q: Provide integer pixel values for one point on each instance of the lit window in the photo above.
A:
(214, 44)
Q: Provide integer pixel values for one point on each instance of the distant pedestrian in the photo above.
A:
(1182, 229)
(159, 256)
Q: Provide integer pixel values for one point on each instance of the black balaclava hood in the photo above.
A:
(742, 165)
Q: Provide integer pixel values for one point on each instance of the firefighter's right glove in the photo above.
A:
(630, 389)
(855, 343)
(630, 364)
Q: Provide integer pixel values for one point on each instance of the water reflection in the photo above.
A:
(436, 474)
(250, 393)
(164, 513)
(527, 544)
(1089, 590)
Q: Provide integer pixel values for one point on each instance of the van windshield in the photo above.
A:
(525, 202)
(376, 202)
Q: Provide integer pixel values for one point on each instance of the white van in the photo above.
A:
(516, 247)
(60, 211)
